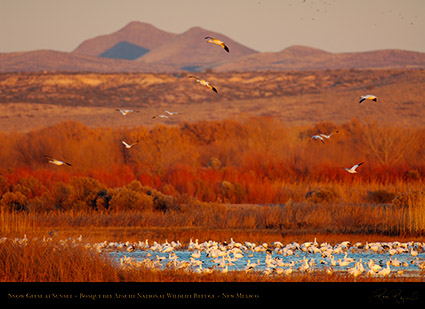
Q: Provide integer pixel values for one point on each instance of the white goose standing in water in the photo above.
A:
(385, 271)
(250, 266)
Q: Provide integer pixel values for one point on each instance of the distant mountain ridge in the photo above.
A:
(141, 47)
(307, 58)
(137, 33)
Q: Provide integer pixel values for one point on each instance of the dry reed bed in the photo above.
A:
(319, 216)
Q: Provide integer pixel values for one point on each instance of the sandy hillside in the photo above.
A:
(35, 100)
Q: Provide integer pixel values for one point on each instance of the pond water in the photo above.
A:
(409, 260)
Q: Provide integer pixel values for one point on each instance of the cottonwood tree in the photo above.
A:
(388, 145)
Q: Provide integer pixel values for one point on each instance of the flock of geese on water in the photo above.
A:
(207, 84)
(274, 259)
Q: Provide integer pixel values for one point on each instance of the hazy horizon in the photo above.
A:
(263, 25)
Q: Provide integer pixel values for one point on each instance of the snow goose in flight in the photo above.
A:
(57, 162)
(126, 111)
(217, 42)
(128, 146)
(318, 137)
(328, 136)
(203, 82)
(368, 97)
(171, 113)
(160, 116)
(352, 170)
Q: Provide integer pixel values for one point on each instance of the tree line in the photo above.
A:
(259, 160)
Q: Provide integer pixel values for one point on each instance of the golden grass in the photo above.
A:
(39, 261)
(225, 220)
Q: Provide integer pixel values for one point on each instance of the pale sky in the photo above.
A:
(264, 25)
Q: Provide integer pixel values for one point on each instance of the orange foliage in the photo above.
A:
(255, 161)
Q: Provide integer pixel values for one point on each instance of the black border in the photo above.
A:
(154, 293)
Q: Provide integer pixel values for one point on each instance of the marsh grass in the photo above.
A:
(295, 218)
(37, 261)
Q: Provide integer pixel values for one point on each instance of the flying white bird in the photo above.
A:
(203, 82)
(160, 116)
(171, 113)
(57, 162)
(352, 170)
(217, 42)
(126, 111)
(128, 146)
(318, 137)
(368, 97)
(328, 136)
